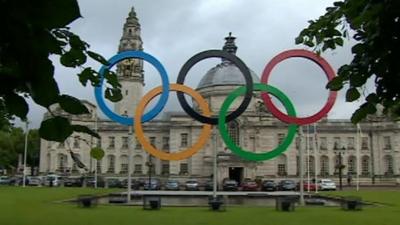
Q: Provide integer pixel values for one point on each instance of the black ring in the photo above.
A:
(221, 54)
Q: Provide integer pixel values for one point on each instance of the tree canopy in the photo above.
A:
(375, 26)
(32, 31)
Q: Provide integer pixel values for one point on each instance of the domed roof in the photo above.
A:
(226, 73)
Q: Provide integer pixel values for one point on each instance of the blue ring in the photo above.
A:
(98, 91)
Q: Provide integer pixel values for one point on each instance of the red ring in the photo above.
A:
(329, 72)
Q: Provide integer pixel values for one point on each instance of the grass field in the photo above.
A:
(25, 206)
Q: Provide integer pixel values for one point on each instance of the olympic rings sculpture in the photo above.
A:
(222, 119)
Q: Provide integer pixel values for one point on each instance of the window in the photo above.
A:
(350, 143)
(61, 145)
(336, 143)
(153, 141)
(184, 169)
(233, 131)
(111, 164)
(388, 165)
(124, 164)
(125, 142)
(324, 165)
(351, 162)
(111, 142)
(365, 165)
(98, 166)
(387, 142)
(184, 140)
(138, 145)
(138, 169)
(126, 92)
(281, 170)
(311, 165)
(323, 143)
(311, 143)
(253, 143)
(364, 143)
(99, 142)
(76, 141)
(298, 142)
(62, 162)
(280, 138)
(165, 143)
(165, 168)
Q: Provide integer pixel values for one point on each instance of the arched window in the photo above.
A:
(281, 165)
(365, 165)
(351, 163)
(48, 160)
(233, 130)
(324, 165)
(138, 164)
(388, 165)
(124, 164)
(311, 165)
(111, 163)
(62, 162)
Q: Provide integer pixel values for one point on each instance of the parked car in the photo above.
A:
(209, 185)
(192, 185)
(287, 185)
(90, 181)
(135, 185)
(172, 185)
(73, 182)
(4, 180)
(115, 183)
(230, 185)
(268, 185)
(154, 184)
(52, 180)
(309, 186)
(326, 184)
(34, 181)
(249, 186)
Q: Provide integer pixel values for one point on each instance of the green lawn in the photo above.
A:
(39, 206)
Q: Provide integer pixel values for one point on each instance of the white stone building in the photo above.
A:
(256, 130)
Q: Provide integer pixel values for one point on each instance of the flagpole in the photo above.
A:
(315, 143)
(25, 151)
(308, 157)
(301, 172)
(358, 157)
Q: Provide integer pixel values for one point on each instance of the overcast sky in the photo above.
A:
(175, 30)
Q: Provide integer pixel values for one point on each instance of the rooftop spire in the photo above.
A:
(230, 45)
(132, 13)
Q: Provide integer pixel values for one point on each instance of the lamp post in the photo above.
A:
(340, 167)
(25, 151)
(149, 164)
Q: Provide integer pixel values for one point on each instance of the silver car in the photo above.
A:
(326, 184)
(192, 185)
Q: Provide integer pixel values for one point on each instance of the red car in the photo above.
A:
(249, 186)
(309, 186)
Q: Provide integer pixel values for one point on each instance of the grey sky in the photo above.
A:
(175, 30)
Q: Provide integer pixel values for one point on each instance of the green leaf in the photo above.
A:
(73, 58)
(352, 94)
(372, 98)
(309, 43)
(97, 153)
(335, 84)
(16, 105)
(339, 41)
(299, 40)
(72, 105)
(358, 49)
(88, 74)
(55, 129)
(358, 115)
(113, 95)
(98, 58)
(84, 129)
(112, 78)
(77, 43)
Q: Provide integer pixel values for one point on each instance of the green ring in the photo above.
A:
(242, 152)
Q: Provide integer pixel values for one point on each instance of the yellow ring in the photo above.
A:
(201, 141)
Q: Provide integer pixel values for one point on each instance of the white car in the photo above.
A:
(326, 184)
(52, 180)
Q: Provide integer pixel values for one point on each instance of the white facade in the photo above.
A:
(255, 130)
